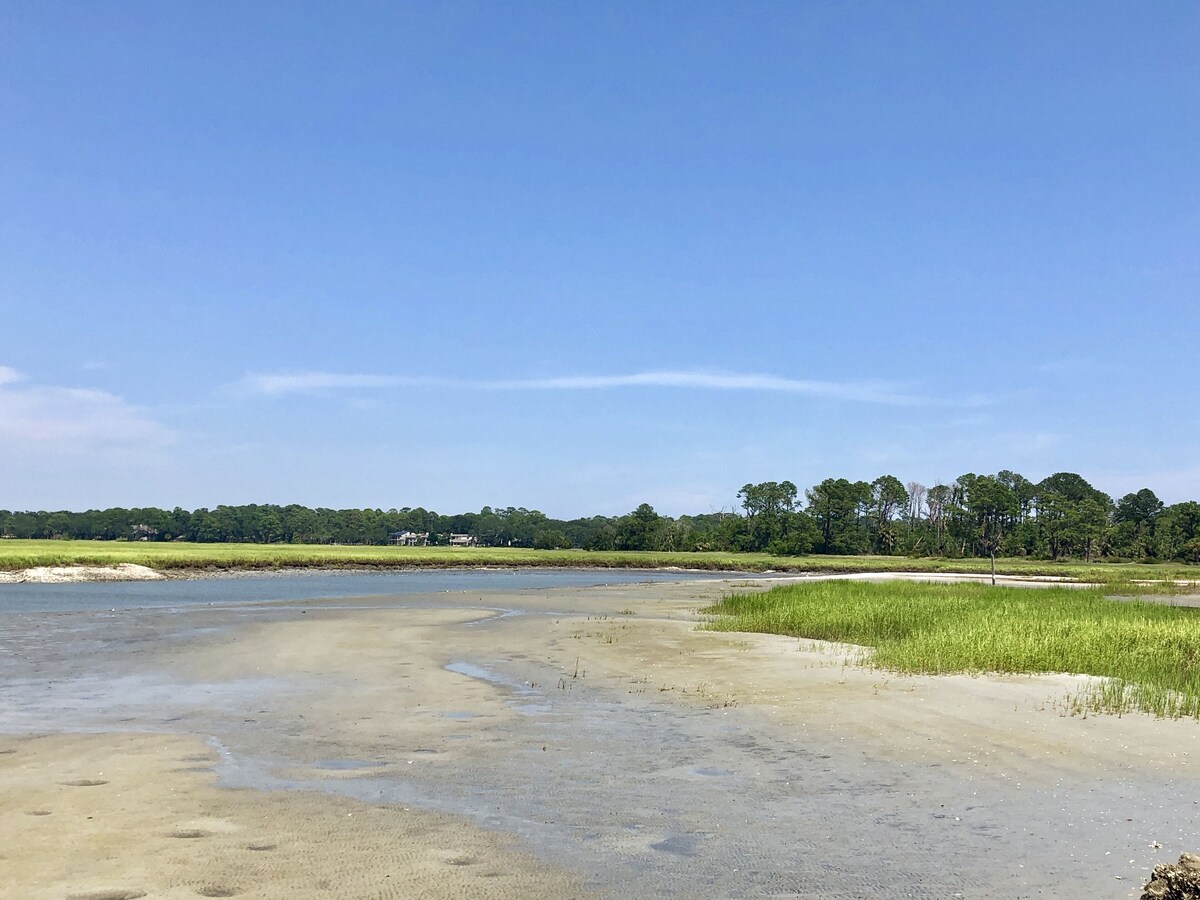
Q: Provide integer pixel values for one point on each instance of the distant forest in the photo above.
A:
(977, 515)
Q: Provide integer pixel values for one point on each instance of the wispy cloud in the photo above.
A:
(47, 418)
(313, 382)
(882, 392)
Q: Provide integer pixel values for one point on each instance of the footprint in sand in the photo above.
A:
(38, 812)
(189, 833)
(217, 890)
(261, 847)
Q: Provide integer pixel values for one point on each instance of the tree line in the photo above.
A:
(1005, 514)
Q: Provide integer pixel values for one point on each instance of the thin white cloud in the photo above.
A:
(312, 382)
(871, 392)
(46, 418)
(887, 393)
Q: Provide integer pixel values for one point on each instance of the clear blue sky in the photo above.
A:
(579, 256)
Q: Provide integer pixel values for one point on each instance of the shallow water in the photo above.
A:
(26, 597)
(647, 799)
(641, 795)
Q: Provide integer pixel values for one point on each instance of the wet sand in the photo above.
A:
(116, 816)
(575, 742)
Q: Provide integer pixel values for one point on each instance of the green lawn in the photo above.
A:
(19, 554)
(1149, 652)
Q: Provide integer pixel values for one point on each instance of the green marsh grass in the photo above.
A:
(20, 554)
(1147, 653)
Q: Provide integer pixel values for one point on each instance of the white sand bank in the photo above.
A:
(73, 574)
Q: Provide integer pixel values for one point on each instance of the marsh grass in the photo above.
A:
(1147, 654)
(20, 554)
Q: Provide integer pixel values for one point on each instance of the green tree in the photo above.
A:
(551, 539)
(640, 530)
(1023, 490)
(1072, 487)
(834, 504)
(1072, 515)
(1175, 530)
(766, 504)
(992, 507)
(888, 498)
(798, 534)
(1134, 519)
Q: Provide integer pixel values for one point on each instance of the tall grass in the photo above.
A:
(20, 554)
(1148, 653)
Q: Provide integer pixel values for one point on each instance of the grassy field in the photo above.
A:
(20, 554)
(1150, 653)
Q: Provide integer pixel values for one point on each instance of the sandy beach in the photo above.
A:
(569, 742)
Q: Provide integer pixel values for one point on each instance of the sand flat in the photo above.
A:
(114, 816)
(557, 743)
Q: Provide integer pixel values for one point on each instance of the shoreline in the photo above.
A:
(188, 560)
(131, 572)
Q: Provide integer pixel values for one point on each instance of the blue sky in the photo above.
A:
(580, 256)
